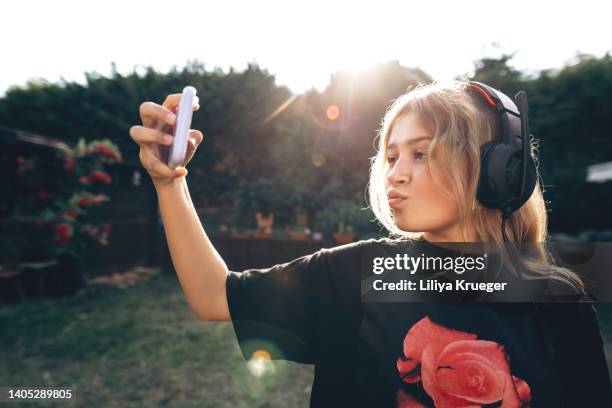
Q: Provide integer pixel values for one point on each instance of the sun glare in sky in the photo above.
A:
(300, 43)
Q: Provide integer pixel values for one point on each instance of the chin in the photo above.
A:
(408, 226)
(412, 225)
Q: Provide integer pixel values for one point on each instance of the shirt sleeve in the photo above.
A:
(586, 379)
(273, 310)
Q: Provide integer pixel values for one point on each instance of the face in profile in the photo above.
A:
(425, 208)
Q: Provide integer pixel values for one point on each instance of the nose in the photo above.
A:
(400, 172)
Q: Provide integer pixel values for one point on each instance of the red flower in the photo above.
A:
(105, 150)
(69, 164)
(459, 371)
(107, 227)
(424, 333)
(63, 228)
(64, 231)
(71, 213)
(61, 241)
(23, 165)
(84, 180)
(43, 195)
(99, 175)
(84, 201)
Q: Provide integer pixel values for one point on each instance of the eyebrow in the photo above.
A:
(411, 141)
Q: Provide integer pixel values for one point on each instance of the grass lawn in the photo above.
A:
(142, 346)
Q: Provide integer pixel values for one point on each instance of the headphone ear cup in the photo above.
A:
(486, 192)
(513, 177)
(499, 183)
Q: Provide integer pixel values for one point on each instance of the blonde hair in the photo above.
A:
(460, 123)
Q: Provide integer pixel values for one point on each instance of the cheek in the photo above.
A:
(431, 198)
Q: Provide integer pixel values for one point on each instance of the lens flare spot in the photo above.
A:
(318, 159)
(332, 112)
(260, 363)
(265, 354)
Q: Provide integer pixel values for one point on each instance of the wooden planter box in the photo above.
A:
(262, 234)
(298, 236)
(344, 237)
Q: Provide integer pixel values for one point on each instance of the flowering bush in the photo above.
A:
(56, 199)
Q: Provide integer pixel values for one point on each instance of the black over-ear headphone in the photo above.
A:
(507, 171)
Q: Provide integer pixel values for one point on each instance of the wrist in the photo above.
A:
(175, 184)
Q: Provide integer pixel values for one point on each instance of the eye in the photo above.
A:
(421, 154)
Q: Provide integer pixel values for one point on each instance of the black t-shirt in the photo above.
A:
(415, 354)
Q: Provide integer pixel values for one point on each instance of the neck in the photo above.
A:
(449, 237)
(450, 234)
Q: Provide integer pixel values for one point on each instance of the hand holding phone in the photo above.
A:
(178, 148)
(160, 126)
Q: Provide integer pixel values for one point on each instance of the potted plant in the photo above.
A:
(265, 219)
(304, 201)
(338, 220)
(325, 222)
(298, 234)
(344, 235)
(265, 223)
(301, 216)
(260, 197)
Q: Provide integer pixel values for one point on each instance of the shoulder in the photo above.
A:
(373, 244)
(364, 250)
(360, 255)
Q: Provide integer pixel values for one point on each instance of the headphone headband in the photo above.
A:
(495, 98)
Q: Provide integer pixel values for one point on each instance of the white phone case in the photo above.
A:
(178, 148)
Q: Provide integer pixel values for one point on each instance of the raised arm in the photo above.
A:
(201, 271)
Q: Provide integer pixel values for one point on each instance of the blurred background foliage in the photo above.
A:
(313, 149)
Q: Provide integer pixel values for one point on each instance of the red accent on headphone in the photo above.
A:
(485, 94)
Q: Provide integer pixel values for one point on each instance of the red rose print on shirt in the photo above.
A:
(457, 370)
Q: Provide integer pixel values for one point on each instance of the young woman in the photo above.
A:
(381, 352)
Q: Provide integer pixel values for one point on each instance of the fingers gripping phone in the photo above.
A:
(178, 148)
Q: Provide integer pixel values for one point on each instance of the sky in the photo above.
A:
(300, 43)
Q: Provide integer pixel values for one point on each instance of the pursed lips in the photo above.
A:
(395, 197)
(395, 194)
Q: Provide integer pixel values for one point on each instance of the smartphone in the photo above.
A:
(178, 148)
